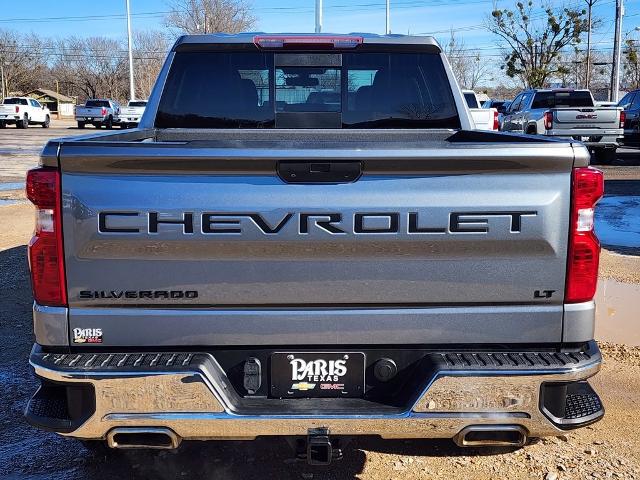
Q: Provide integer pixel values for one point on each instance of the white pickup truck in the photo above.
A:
(483, 118)
(132, 113)
(21, 111)
(98, 112)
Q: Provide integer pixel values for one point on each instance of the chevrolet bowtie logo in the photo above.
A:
(303, 386)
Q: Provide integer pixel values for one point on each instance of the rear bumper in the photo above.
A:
(594, 138)
(89, 119)
(130, 118)
(542, 393)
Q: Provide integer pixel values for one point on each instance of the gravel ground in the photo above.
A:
(623, 268)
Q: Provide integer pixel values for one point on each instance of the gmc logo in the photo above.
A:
(334, 223)
(587, 116)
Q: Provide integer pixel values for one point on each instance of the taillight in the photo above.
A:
(17, 109)
(496, 124)
(46, 254)
(548, 120)
(623, 118)
(584, 248)
(307, 41)
(104, 111)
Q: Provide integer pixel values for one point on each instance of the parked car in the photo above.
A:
(98, 112)
(131, 114)
(483, 119)
(22, 111)
(247, 263)
(567, 113)
(630, 103)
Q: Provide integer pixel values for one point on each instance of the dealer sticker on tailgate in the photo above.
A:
(319, 374)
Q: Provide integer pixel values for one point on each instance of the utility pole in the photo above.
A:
(4, 92)
(132, 93)
(617, 52)
(58, 98)
(387, 29)
(587, 80)
(318, 16)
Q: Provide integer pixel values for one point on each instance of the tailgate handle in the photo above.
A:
(319, 172)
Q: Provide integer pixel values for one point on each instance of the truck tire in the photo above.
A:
(109, 123)
(46, 122)
(532, 130)
(3, 125)
(604, 156)
(24, 123)
(81, 125)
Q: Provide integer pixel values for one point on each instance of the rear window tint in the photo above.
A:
(471, 100)
(562, 99)
(137, 104)
(97, 103)
(248, 90)
(15, 101)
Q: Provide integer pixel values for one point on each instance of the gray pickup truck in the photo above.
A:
(305, 238)
(98, 112)
(567, 114)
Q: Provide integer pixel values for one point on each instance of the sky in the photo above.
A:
(59, 18)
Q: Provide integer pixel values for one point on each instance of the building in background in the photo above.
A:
(56, 102)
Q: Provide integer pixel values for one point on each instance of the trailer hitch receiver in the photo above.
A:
(319, 448)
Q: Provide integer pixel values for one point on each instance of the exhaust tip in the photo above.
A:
(151, 437)
(492, 436)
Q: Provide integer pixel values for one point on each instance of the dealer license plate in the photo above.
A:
(317, 374)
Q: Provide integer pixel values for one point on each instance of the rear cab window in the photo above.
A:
(471, 100)
(562, 99)
(137, 104)
(249, 89)
(15, 101)
(97, 103)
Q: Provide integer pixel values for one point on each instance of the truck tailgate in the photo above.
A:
(213, 236)
(8, 109)
(89, 112)
(587, 117)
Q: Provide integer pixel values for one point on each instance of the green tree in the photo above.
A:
(533, 40)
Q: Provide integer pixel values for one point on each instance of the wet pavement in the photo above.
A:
(618, 217)
(4, 187)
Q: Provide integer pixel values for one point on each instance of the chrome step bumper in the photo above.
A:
(190, 394)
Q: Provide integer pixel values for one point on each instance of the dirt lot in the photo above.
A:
(608, 449)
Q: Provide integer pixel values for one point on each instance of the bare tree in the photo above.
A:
(504, 92)
(533, 43)
(24, 60)
(91, 67)
(149, 51)
(209, 16)
(468, 66)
